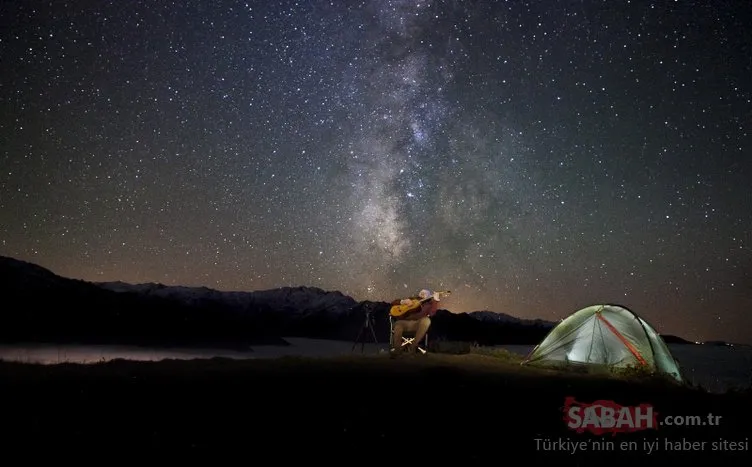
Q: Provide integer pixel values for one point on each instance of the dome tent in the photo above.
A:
(609, 336)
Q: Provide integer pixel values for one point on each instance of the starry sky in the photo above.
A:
(533, 157)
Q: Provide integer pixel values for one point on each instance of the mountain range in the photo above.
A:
(40, 306)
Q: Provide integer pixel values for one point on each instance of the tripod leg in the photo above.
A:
(366, 325)
(357, 338)
(361, 333)
(355, 343)
(373, 332)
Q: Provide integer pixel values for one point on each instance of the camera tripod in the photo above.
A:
(367, 326)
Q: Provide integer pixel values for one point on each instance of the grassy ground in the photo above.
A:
(476, 408)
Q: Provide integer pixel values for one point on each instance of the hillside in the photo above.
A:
(40, 306)
(44, 307)
(472, 409)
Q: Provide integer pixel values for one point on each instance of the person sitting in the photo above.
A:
(417, 320)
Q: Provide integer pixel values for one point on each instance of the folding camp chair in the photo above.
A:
(406, 339)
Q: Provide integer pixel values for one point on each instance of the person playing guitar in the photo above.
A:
(413, 314)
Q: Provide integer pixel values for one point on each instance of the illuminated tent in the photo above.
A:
(605, 336)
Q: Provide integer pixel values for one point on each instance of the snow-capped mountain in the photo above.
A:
(44, 306)
(287, 302)
(497, 317)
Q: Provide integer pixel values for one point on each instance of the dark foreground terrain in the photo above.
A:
(356, 411)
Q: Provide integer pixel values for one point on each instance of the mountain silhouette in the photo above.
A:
(41, 306)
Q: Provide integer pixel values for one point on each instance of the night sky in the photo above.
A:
(531, 157)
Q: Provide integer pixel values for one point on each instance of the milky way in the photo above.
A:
(534, 158)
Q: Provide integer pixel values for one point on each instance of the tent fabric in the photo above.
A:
(605, 335)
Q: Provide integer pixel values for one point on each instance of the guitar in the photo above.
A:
(401, 310)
